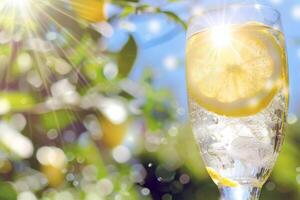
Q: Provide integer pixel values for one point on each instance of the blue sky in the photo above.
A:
(168, 58)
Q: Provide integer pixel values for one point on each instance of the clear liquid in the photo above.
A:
(242, 149)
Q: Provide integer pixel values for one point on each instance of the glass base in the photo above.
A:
(243, 192)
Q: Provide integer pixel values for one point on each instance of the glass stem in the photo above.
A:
(242, 192)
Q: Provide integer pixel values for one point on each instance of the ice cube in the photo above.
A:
(250, 150)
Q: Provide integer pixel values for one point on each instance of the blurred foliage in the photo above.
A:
(127, 57)
(74, 126)
(7, 192)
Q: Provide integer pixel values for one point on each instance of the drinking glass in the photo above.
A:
(237, 79)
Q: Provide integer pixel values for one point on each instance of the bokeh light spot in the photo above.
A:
(4, 106)
(296, 12)
(26, 196)
(121, 154)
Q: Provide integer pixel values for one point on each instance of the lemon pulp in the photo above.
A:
(236, 70)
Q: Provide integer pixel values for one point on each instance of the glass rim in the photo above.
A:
(238, 5)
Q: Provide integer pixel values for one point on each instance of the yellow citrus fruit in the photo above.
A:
(90, 10)
(219, 180)
(236, 70)
(113, 134)
(55, 176)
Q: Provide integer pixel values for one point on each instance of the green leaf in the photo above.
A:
(18, 101)
(158, 109)
(127, 11)
(125, 4)
(124, 1)
(175, 17)
(127, 57)
(7, 192)
(57, 119)
(136, 1)
(156, 114)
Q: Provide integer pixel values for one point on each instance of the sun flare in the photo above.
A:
(221, 36)
(19, 3)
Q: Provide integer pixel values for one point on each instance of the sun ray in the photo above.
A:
(68, 108)
(60, 26)
(77, 69)
(44, 79)
(5, 80)
(48, 75)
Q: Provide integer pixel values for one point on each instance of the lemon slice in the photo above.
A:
(219, 180)
(235, 70)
